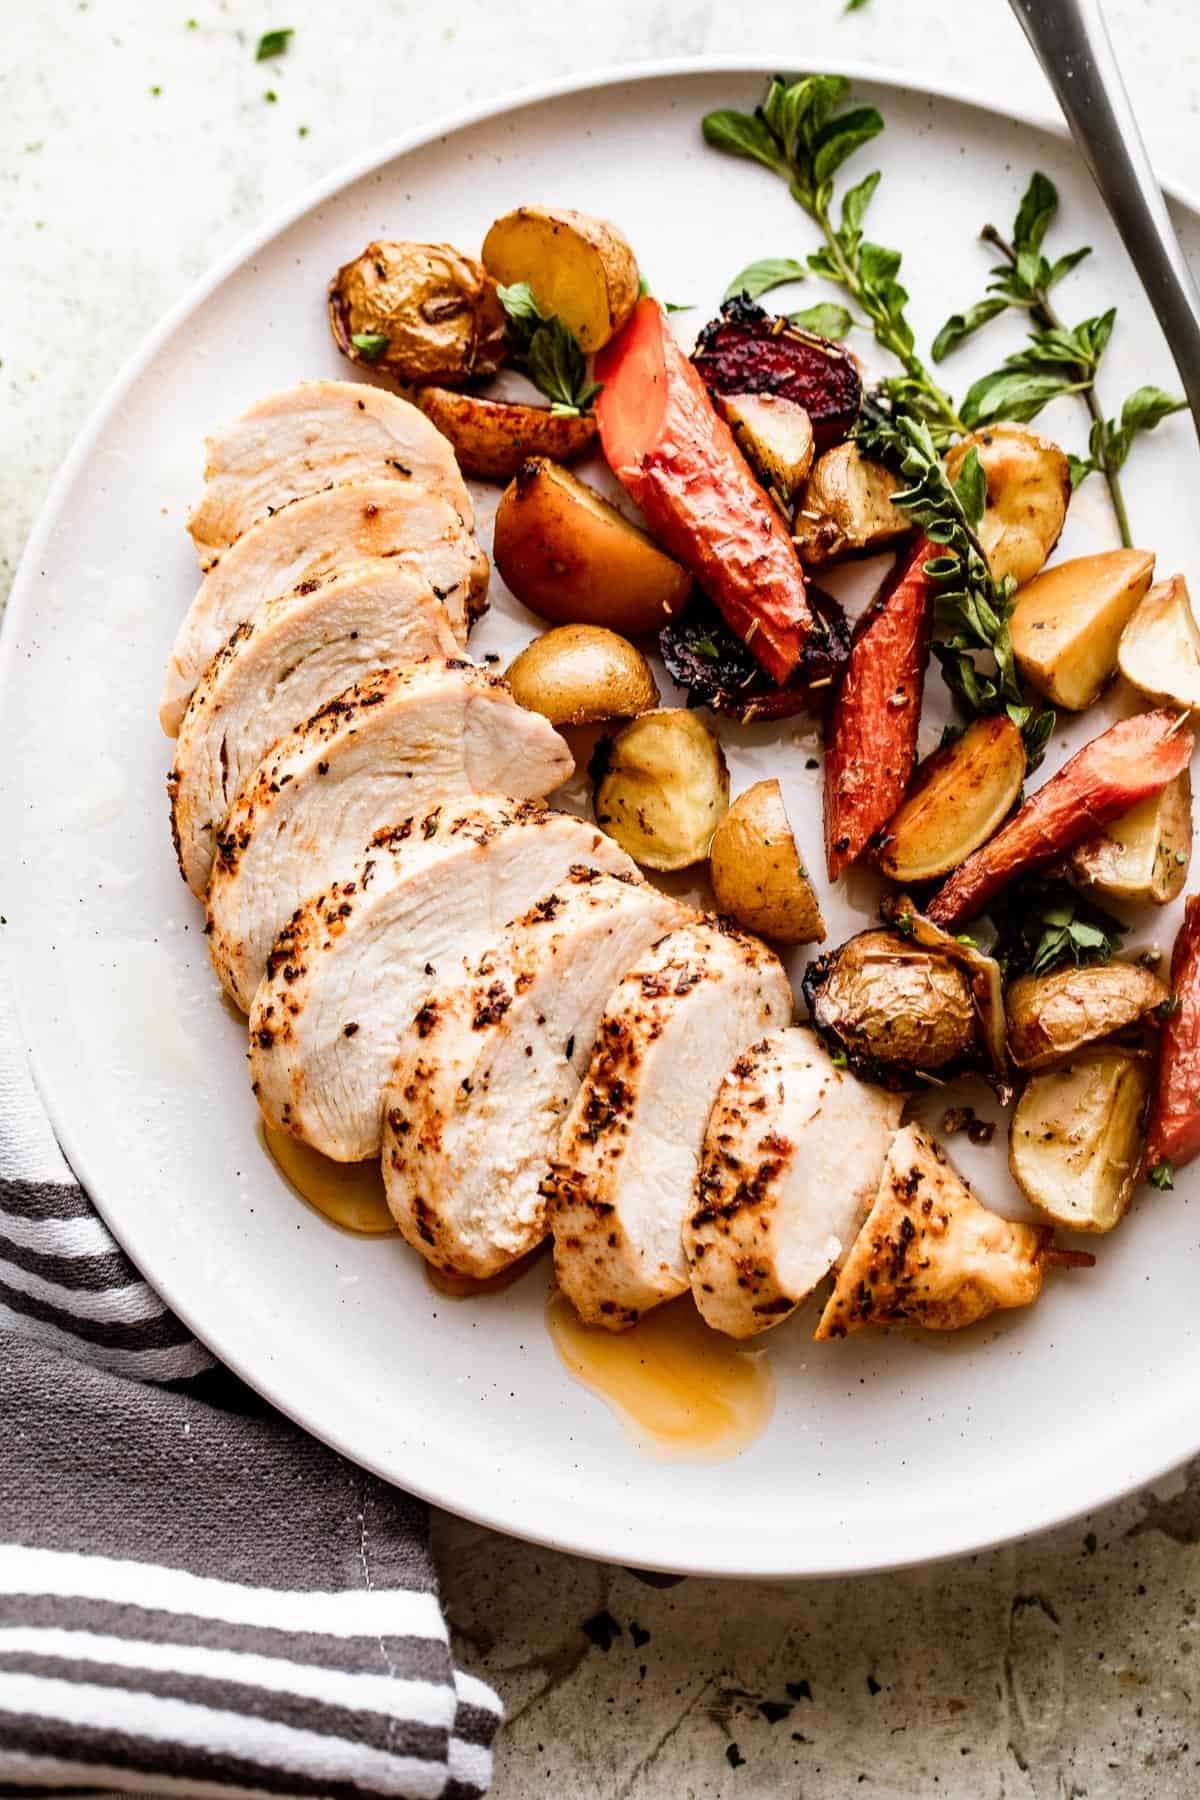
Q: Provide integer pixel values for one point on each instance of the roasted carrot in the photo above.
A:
(871, 747)
(1128, 762)
(676, 458)
(1173, 1137)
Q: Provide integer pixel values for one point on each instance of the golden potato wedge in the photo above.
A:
(1076, 1137)
(662, 788)
(1160, 647)
(492, 438)
(1028, 490)
(847, 505)
(1146, 853)
(960, 796)
(1067, 623)
(580, 674)
(578, 267)
(570, 556)
(775, 436)
(757, 875)
(1050, 1017)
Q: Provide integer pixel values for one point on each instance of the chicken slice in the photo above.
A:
(315, 435)
(311, 539)
(929, 1251)
(488, 1067)
(391, 746)
(274, 673)
(627, 1157)
(355, 962)
(790, 1164)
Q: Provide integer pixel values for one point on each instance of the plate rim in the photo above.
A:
(20, 600)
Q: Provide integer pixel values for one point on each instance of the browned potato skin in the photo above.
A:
(492, 438)
(437, 308)
(847, 506)
(1050, 1017)
(1028, 491)
(662, 788)
(1067, 623)
(581, 674)
(1075, 1140)
(570, 556)
(579, 267)
(756, 871)
(960, 795)
(1145, 855)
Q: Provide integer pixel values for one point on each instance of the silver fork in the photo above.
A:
(1072, 44)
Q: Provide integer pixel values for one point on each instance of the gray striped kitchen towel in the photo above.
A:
(195, 1597)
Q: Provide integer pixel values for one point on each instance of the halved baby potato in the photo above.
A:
(1067, 623)
(570, 556)
(1050, 1017)
(580, 674)
(492, 438)
(662, 788)
(1076, 1138)
(578, 267)
(1028, 490)
(775, 435)
(1145, 854)
(756, 871)
(1160, 648)
(960, 796)
(847, 506)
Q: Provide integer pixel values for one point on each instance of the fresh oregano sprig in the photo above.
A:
(803, 132)
(547, 352)
(1043, 924)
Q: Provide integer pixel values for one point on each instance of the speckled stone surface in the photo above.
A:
(136, 146)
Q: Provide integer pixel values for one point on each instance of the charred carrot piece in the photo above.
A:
(871, 747)
(1173, 1137)
(676, 458)
(1131, 760)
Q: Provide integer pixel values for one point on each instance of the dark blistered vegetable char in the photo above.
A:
(704, 656)
(749, 351)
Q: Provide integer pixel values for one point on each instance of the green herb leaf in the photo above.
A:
(704, 646)
(1162, 1175)
(1035, 213)
(962, 325)
(674, 306)
(840, 137)
(826, 319)
(1043, 924)
(971, 487)
(1145, 408)
(273, 43)
(547, 352)
(855, 202)
(1081, 467)
(742, 134)
(369, 344)
(1010, 394)
(760, 277)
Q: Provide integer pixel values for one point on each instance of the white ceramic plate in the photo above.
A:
(882, 1450)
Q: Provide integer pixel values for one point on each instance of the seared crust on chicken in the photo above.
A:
(306, 542)
(389, 746)
(315, 435)
(790, 1164)
(274, 673)
(354, 963)
(624, 1173)
(488, 1068)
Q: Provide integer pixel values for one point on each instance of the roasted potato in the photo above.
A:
(959, 797)
(1160, 648)
(661, 788)
(570, 556)
(1067, 624)
(423, 312)
(1050, 1017)
(1145, 854)
(1028, 490)
(847, 505)
(747, 350)
(1133, 758)
(492, 438)
(578, 267)
(580, 674)
(776, 438)
(1174, 1135)
(1076, 1137)
(757, 875)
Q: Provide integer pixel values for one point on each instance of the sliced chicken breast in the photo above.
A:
(315, 435)
(625, 1171)
(274, 673)
(791, 1162)
(306, 542)
(355, 962)
(488, 1068)
(390, 746)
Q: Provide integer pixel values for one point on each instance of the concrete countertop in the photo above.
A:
(139, 141)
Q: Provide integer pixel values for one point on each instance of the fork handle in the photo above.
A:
(1071, 41)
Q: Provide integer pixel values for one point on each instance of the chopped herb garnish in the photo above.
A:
(273, 43)
(840, 1060)
(369, 344)
(1042, 925)
(733, 1756)
(704, 646)
(270, 96)
(547, 352)
(1162, 1175)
